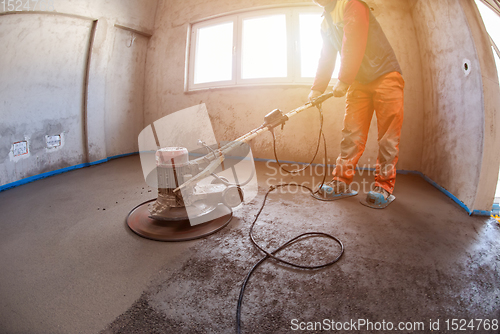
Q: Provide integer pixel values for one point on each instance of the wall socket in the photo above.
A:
(20, 148)
(53, 141)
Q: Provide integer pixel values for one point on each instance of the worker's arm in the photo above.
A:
(356, 25)
(326, 65)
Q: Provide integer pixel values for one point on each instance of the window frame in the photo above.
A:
(293, 47)
(192, 55)
(239, 49)
(297, 53)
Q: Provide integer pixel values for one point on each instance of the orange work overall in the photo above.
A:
(385, 95)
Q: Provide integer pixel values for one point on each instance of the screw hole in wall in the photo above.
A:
(466, 67)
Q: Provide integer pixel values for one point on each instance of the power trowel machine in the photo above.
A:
(193, 199)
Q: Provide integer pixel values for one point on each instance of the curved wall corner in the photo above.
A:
(75, 72)
(491, 109)
(459, 117)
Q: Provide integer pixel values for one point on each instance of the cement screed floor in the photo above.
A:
(71, 265)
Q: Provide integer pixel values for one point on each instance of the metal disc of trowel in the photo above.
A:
(177, 229)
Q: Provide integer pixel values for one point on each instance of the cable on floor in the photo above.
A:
(271, 255)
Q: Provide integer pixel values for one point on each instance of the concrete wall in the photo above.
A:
(491, 109)
(451, 114)
(124, 90)
(461, 106)
(43, 82)
(235, 111)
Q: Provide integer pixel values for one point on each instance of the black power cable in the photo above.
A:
(321, 135)
(297, 238)
(285, 245)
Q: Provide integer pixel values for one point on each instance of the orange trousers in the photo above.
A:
(385, 96)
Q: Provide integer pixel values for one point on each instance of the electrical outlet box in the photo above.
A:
(20, 148)
(53, 141)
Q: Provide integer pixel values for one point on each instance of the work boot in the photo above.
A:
(334, 188)
(333, 191)
(378, 196)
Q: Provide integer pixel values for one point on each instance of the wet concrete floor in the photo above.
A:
(70, 264)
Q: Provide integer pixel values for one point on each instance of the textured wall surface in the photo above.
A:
(125, 87)
(42, 81)
(235, 111)
(41, 85)
(491, 97)
(454, 118)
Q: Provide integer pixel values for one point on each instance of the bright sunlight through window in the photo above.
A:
(214, 54)
(264, 48)
(310, 45)
(272, 46)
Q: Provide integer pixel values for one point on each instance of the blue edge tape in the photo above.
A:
(422, 175)
(60, 171)
(71, 168)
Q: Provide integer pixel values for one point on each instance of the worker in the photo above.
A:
(371, 77)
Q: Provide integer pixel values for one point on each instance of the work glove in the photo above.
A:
(314, 94)
(340, 89)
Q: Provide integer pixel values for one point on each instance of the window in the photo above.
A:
(264, 47)
(272, 46)
(214, 47)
